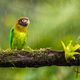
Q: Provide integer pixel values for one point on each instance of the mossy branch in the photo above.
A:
(36, 58)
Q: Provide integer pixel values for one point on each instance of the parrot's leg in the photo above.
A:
(29, 48)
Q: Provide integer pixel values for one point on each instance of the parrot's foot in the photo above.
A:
(70, 50)
(29, 48)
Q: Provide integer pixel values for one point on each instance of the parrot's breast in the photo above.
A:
(19, 39)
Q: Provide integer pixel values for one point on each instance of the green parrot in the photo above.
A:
(18, 34)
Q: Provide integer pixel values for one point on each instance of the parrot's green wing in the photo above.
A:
(11, 37)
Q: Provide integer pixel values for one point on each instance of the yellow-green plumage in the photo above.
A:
(18, 35)
(18, 39)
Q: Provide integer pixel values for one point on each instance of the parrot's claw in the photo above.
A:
(29, 48)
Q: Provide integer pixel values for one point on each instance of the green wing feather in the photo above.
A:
(11, 36)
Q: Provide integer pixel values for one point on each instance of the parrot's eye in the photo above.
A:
(23, 22)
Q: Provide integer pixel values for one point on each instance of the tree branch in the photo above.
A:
(36, 58)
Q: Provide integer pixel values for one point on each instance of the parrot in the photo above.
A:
(19, 33)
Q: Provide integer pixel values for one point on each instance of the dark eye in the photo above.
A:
(23, 22)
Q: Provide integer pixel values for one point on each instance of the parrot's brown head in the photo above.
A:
(22, 24)
(24, 21)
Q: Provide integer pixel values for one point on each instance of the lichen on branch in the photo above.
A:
(36, 58)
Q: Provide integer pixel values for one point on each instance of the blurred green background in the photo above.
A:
(51, 22)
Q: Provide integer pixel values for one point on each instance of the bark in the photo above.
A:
(36, 58)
